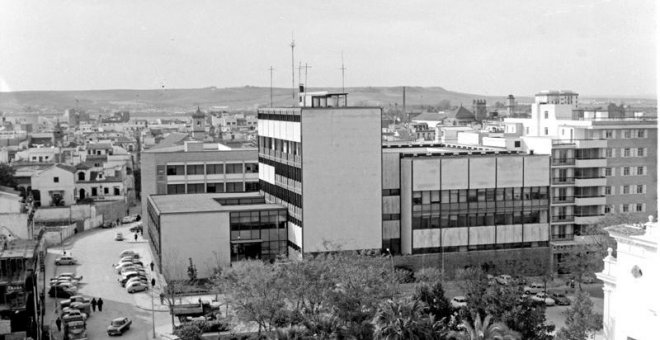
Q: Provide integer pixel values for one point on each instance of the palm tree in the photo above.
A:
(403, 319)
(484, 330)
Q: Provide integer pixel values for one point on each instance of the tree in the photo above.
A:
(192, 270)
(403, 319)
(433, 296)
(581, 321)
(484, 330)
(7, 178)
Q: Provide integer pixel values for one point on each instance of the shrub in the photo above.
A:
(428, 275)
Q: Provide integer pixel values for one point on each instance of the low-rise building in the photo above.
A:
(55, 185)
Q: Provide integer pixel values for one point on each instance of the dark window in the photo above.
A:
(176, 189)
(175, 170)
(516, 144)
(234, 187)
(251, 168)
(195, 169)
(234, 168)
(215, 187)
(251, 186)
(212, 169)
(196, 188)
(56, 179)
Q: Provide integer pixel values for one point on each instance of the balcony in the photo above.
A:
(563, 218)
(591, 163)
(590, 143)
(590, 200)
(590, 218)
(591, 181)
(563, 180)
(563, 161)
(563, 200)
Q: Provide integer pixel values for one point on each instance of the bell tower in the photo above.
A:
(198, 124)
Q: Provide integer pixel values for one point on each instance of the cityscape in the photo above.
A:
(350, 191)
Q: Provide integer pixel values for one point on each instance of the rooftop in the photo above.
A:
(200, 203)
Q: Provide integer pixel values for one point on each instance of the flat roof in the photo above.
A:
(199, 203)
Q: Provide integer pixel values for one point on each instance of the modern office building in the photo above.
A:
(601, 163)
(461, 205)
(197, 167)
(322, 161)
(227, 227)
(631, 306)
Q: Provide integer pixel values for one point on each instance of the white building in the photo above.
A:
(54, 183)
(631, 309)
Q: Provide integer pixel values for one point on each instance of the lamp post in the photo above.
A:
(153, 318)
(391, 259)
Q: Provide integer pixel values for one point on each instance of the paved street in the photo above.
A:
(96, 252)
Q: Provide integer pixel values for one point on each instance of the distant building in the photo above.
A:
(431, 119)
(55, 185)
(479, 109)
(460, 116)
(631, 307)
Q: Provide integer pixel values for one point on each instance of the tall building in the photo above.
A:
(323, 162)
(600, 164)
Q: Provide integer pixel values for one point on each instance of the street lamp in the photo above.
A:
(391, 258)
(153, 318)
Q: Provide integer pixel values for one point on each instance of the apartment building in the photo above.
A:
(459, 205)
(600, 164)
(323, 162)
(198, 167)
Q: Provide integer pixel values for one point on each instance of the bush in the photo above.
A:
(428, 275)
(404, 274)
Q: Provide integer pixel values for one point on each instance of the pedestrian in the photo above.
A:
(151, 265)
(93, 303)
(58, 322)
(162, 297)
(135, 237)
(99, 302)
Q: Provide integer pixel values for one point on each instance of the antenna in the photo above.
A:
(300, 72)
(293, 72)
(306, 67)
(343, 68)
(271, 85)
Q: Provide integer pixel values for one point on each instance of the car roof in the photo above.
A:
(118, 319)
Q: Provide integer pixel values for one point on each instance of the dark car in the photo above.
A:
(107, 225)
(119, 325)
(136, 228)
(60, 292)
(560, 299)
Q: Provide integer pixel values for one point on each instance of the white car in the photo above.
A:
(71, 276)
(129, 252)
(129, 219)
(534, 288)
(504, 279)
(458, 301)
(65, 260)
(136, 287)
(120, 267)
(544, 298)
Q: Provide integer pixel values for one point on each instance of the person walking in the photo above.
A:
(58, 322)
(93, 303)
(135, 237)
(100, 304)
(151, 265)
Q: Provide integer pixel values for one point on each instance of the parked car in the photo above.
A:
(504, 279)
(66, 285)
(65, 260)
(136, 228)
(129, 219)
(542, 297)
(458, 301)
(560, 299)
(138, 278)
(119, 325)
(75, 298)
(72, 313)
(119, 237)
(108, 225)
(57, 280)
(136, 287)
(533, 288)
(129, 275)
(61, 292)
(129, 252)
(124, 265)
(70, 275)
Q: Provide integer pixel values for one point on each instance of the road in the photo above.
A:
(96, 252)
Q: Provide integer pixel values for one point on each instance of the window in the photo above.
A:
(196, 169)
(235, 186)
(609, 153)
(173, 189)
(639, 207)
(625, 189)
(641, 170)
(626, 171)
(641, 133)
(608, 209)
(608, 171)
(81, 176)
(641, 152)
(609, 134)
(251, 186)
(545, 115)
(215, 187)
(627, 134)
(516, 144)
(626, 152)
(546, 131)
(251, 168)
(56, 179)
(234, 168)
(608, 190)
(625, 208)
(640, 189)
(175, 170)
(106, 191)
(195, 188)
(214, 169)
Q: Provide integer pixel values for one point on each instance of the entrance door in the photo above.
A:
(81, 194)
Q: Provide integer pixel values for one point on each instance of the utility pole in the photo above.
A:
(271, 86)
(306, 68)
(293, 72)
(343, 68)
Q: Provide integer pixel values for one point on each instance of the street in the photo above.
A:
(96, 252)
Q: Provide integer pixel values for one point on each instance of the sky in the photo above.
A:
(593, 47)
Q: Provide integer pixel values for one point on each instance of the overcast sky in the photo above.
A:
(482, 47)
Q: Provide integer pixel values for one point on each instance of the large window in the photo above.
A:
(173, 189)
(197, 169)
(252, 168)
(215, 187)
(195, 188)
(251, 186)
(214, 169)
(234, 168)
(234, 187)
(175, 170)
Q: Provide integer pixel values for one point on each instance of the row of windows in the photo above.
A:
(476, 220)
(282, 193)
(626, 152)
(474, 247)
(212, 169)
(480, 195)
(248, 220)
(283, 118)
(391, 192)
(292, 209)
(279, 145)
(625, 133)
(626, 189)
(627, 171)
(200, 188)
(283, 170)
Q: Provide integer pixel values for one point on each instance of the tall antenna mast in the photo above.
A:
(293, 72)
(343, 68)
(306, 68)
(300, 72)
(271, 85)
